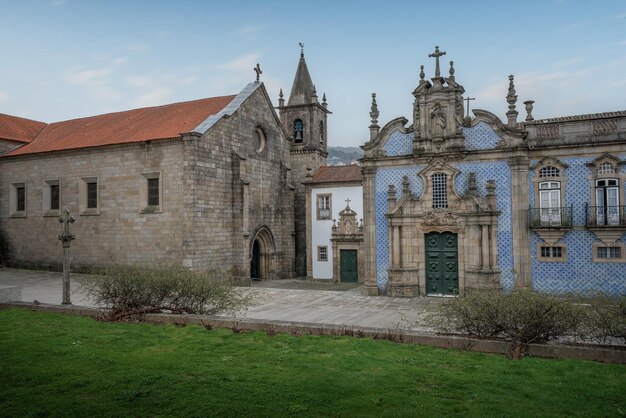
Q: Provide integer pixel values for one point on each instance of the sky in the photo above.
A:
(64, 59)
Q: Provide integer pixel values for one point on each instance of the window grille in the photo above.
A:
(549, 171)
(606, 168)
(440, 192)
(322, 253)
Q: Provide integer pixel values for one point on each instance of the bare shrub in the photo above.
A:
(521, 317)
(607, 319)
(131, 292)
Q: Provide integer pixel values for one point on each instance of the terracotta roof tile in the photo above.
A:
(149, 123)
(337, 173)
(19, 129)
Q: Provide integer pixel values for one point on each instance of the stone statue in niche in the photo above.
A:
(438, 120)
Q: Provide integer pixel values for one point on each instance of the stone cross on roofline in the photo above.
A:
(436, 55)
(467, 100)
(348, 203)
(258, 71)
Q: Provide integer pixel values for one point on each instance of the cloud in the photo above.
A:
(137, 47)
(88, 77)
(238, 65)
(568, 62)
(250, 32)
(97, 82)
(156, 96)
(4, 97)
(57, 3)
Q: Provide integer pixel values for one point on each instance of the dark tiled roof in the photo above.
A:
(574, 118)
(149, 123)
(19, 129)
(338, 173)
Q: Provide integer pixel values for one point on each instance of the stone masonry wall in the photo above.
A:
(235, 190)
(119, 233)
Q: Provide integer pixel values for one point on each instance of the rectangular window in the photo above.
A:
(324, 211)
(322, 253)
(610, 252)
(88, 196)
(603, 253)
(92, 195)
(552, 252)
(54, 197)
(21, 198)
(153, 192)
(440, 191)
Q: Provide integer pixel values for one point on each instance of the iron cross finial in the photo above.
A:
(301, 49)
(348, 202)
(436, 55)
(467, 99)
(258, 71)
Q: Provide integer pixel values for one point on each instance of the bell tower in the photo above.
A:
(305, 120)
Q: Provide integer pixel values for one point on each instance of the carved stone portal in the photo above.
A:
(472, 221)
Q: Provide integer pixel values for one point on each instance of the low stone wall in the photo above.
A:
(579, 352)
(10, 294)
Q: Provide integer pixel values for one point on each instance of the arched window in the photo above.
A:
(440, 191)
(298, 130)
(321, 132)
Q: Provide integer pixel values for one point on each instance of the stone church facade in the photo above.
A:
(454, 202)
(206, 184)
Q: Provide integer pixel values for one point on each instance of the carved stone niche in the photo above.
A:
(347, 234)
(471, 217)
(438, 116)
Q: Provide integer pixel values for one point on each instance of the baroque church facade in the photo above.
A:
(447, 202)
(454, 202)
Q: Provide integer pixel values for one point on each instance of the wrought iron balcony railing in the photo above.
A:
(605, 216)
(541, 218)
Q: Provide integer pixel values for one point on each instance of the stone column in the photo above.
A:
(521, 234)
(66, 238)
(484, 247)
(369, 208)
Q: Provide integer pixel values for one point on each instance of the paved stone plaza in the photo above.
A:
(281, 300)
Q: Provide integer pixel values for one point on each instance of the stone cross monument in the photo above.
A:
(66, 238)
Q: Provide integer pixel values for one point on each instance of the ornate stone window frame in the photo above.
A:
(596, 175)
(46, 194)
(561, 178)
(427, 180)
(13, 203)
(560, 245)
(599, 244)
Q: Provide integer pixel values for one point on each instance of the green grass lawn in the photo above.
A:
(57, 365)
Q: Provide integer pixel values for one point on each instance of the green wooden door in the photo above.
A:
(442, 271)
(348, 262)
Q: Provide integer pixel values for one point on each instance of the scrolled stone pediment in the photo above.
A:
(440, 217)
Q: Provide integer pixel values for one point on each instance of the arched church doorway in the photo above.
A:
(262, 254)
(255, 263)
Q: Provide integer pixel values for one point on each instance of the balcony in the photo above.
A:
(605, 216)
(551, 218)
